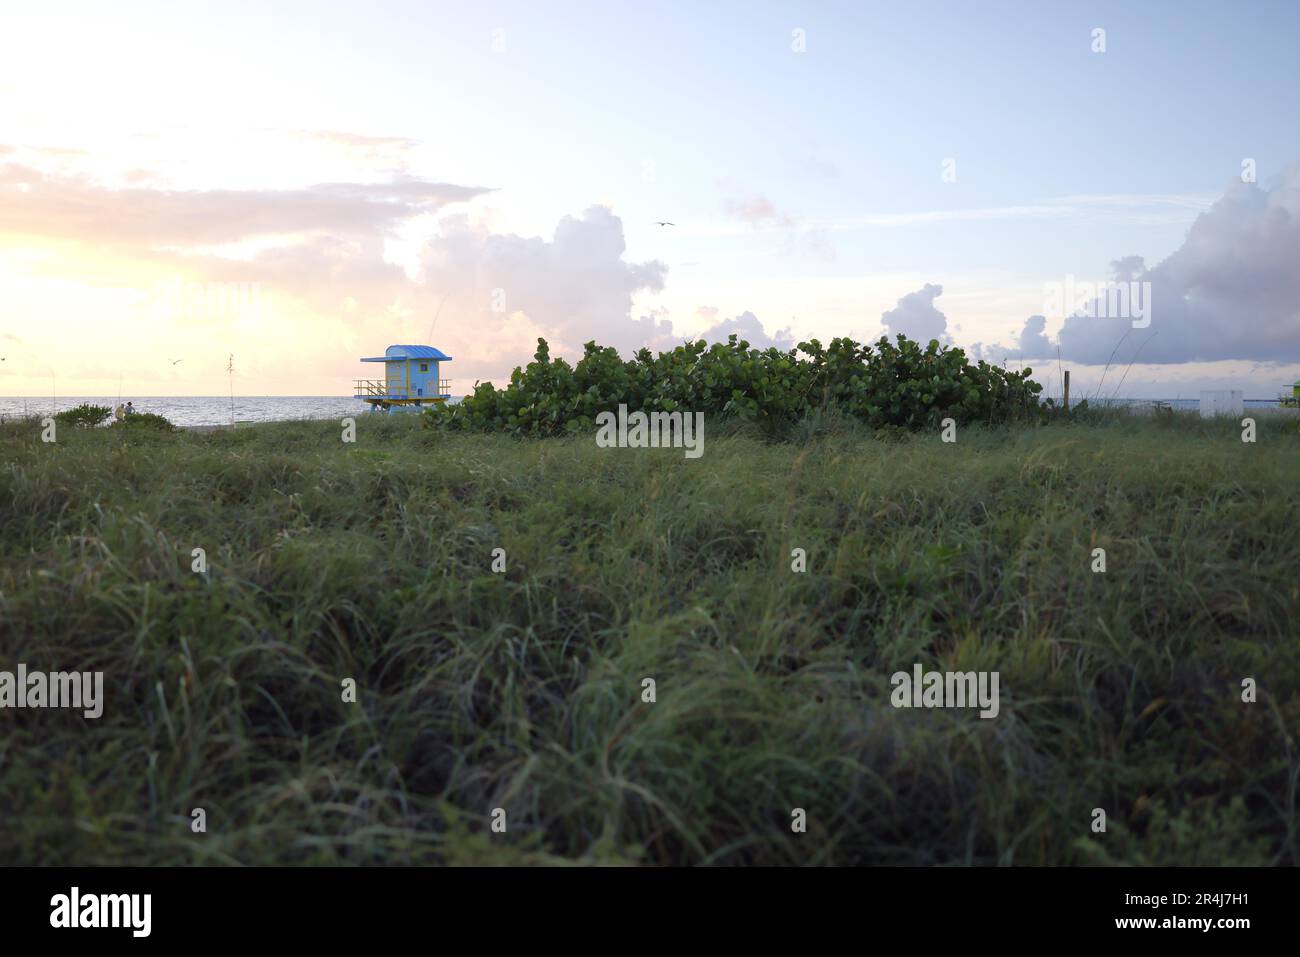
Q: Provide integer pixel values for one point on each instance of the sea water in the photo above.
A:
(205, 409)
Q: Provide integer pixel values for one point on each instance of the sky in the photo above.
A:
(298, 185)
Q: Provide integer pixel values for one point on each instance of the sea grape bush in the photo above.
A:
(84, 416)
(145, 421)
(886, 385)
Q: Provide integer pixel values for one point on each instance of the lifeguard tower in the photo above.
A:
(411, 379)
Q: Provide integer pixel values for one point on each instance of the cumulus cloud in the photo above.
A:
(653, 332)
(916, 316)
(1127, 268)
(319, 259)
(747, 327)
(1231, 291)
(321, 253)
(574, 287)
(1033, 342)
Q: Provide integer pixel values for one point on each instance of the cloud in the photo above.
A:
(747, 327)
(499, 292)
(653, 332)
(1155, 209)
(756, 210)
(318, 255)
(760, 213)
(370, 146)
(379, 152)
(1033, 342)
(574, 288)
(1231, 291)
(36, 203)
(1127, 268)
(916, 317)
(59, 152)
(140, 177)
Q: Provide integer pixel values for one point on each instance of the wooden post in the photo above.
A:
(1067, 391)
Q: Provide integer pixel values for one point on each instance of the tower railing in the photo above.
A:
(379, 388)
(391, 389)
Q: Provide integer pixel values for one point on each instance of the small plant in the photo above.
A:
(84, 416)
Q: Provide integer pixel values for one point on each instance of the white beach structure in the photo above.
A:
(1215, 402)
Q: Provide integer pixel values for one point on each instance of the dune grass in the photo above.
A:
(522, 691)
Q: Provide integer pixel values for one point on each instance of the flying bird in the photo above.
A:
(174, 361)
(665, 224)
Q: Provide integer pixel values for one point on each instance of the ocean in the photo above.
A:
(216, 409)
(206, 409)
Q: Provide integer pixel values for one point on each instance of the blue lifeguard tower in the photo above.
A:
(411, 379)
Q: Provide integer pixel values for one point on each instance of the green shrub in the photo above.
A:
(898, 385)
(147, 420)
(84, 416)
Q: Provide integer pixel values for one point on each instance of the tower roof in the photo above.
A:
(393, 353)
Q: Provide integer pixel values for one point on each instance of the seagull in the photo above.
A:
(665, 224)
(174, 361)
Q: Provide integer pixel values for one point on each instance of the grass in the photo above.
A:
(522, 690)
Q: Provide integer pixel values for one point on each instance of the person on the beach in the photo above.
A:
(130, 408)
(119, 412)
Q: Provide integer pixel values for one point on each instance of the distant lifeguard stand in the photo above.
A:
(411, 379)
